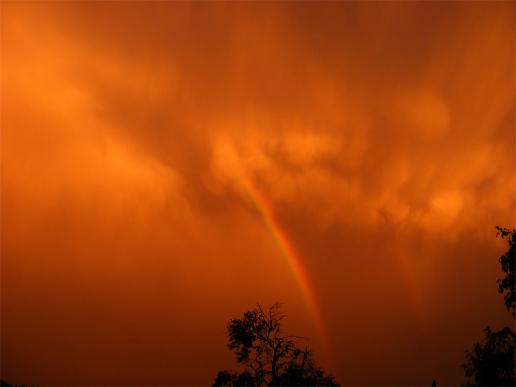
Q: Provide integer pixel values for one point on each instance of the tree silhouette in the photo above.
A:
(269, 357)
(491, 362)
(506, 286)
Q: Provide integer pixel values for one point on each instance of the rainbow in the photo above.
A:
(290, 255)
(410, 281)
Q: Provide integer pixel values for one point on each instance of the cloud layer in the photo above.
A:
(381, 134)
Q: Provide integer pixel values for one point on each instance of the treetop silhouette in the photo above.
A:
(491, 362)
(269, 357)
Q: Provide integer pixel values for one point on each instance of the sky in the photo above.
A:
(167, 166)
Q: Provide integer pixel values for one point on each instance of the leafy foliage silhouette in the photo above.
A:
(491, 362)
(506, 286)
(269, 357)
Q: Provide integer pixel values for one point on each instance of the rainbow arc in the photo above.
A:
(290, 255)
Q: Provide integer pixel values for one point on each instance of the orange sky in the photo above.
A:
(380, 135)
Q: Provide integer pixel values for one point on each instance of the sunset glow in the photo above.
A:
(165, 166)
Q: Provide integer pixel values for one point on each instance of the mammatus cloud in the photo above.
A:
(382, 137)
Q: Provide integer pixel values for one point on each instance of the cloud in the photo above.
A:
(380, 135)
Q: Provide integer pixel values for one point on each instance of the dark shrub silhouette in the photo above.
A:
(3, 383)
(228, 378)
(269, 357)
(491, 362)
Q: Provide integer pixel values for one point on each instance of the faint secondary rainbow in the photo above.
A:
(407, 273)
(290, 255)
